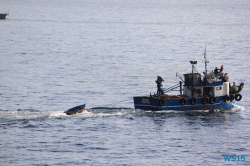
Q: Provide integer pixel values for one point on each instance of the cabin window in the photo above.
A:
(218, 88)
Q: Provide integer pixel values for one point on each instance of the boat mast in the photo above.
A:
(206, 61)
(192, 85)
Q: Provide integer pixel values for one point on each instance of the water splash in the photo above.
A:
(96, 112)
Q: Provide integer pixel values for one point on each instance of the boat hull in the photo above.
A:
(75, 110)
(156, 104)
(4, 16)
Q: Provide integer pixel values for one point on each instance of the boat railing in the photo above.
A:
(172, 88)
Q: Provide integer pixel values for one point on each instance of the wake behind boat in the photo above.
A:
(210, 91)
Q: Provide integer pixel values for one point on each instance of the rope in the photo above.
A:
(117, 102)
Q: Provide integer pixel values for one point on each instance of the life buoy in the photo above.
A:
(227, 98)
(212, 100)
(232, 98)
(205, 100)
(238, 97)
(183, 101)
(193, 101)
(162, 102)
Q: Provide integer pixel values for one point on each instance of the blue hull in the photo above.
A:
(74, 110)
(154, 104)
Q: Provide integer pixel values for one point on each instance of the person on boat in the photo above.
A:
(216, 71)
(159, 85)
(233, 89)
(221, 68)
(210, 94)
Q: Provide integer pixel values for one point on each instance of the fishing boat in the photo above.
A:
(4, 15)
(75, 110)
(198, 91)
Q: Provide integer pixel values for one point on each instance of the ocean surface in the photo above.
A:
(57, 54)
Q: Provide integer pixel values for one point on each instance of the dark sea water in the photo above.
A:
(57, 54)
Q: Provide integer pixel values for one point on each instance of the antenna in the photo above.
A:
(206, 61)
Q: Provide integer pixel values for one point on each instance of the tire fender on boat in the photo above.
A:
(232, 98)
(193, 100)
(227, 98)
(212, 100)
(162, 102)
(205, 100)
(238, 97)
(183, 101)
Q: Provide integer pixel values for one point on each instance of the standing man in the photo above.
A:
(159, 85)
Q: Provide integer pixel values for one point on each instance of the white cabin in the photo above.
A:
(206, 87)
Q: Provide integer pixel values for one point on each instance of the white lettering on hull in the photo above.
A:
(145, 101)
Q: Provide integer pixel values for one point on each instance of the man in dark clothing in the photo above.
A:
(216, 71)
(159, 85)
